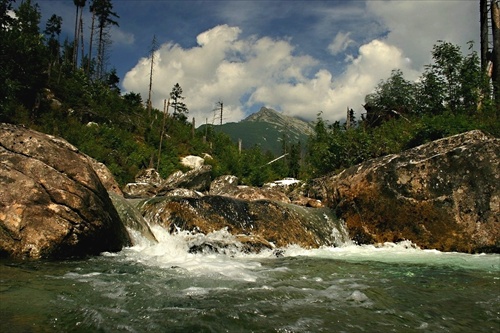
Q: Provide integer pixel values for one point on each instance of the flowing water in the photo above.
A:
(164, 288)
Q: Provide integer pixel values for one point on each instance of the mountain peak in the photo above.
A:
(266, 129)
(264, 115)
(268, 115)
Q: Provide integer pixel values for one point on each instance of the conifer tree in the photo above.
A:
(180, 109)
(103, 10)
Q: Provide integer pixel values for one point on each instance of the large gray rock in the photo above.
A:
(443, 195)
(52, 202)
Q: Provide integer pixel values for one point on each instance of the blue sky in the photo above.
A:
(298, 57)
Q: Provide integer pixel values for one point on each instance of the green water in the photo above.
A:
(162, 288)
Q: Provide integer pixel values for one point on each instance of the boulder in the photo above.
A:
(257, 224)
(252, 193)
(107, 179)
(228, 186)
(443, 195)
(146, 184)
(196, 179)
(52, 203)
(183, 192)
(149, 176)
(139, 190)
(223, 185)
(192, 162)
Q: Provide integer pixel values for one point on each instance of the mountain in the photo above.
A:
(266, 129)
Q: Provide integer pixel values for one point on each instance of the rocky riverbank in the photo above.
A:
(55, 201)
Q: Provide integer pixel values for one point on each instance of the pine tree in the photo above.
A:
(23, 55)
(53, 31)
(103, 10)
(180, 109)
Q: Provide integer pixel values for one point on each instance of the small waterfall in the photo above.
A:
(132, 218)
(216, 224)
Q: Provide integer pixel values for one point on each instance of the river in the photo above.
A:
(164, 288)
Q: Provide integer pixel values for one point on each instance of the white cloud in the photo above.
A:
(248, 72)
(224, 67)
(340, 43)
(415, 26)
(375, 62)
(121, 37)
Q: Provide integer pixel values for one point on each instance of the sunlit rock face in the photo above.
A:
(443, 195)
(228, 186)
(192, 162)
(262, 224)
(52, 202)
(197, 180)
(146, 184)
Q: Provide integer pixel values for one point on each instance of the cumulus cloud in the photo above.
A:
(415, 26)
(243, 73)
(248, 72)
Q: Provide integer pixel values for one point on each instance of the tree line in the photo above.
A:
(60, 89)
(453, 95)
(64, 90)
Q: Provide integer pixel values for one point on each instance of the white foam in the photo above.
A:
(172, 251)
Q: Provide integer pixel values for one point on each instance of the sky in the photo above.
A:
(297, 57)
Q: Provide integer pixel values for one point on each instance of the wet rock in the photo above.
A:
(227, 244)
(52, 203)
(264, 223)
(443, 195)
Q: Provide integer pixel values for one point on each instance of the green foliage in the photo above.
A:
(451, 97)
(395, 94)
(176, 101)
(453, 82)
(23, 57)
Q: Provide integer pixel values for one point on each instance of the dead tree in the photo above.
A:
(154, 48)
(495, 27)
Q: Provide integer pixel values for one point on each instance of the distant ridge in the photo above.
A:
(266, 129)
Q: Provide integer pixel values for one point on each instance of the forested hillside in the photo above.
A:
(50, 87)
(57, 88)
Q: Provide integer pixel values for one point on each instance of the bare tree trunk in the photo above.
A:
(153, 50)
(91, 42)
(483, 4)
(166, 105)
(100, 54)
(75, 40)
(81, 41)
(495, 26)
